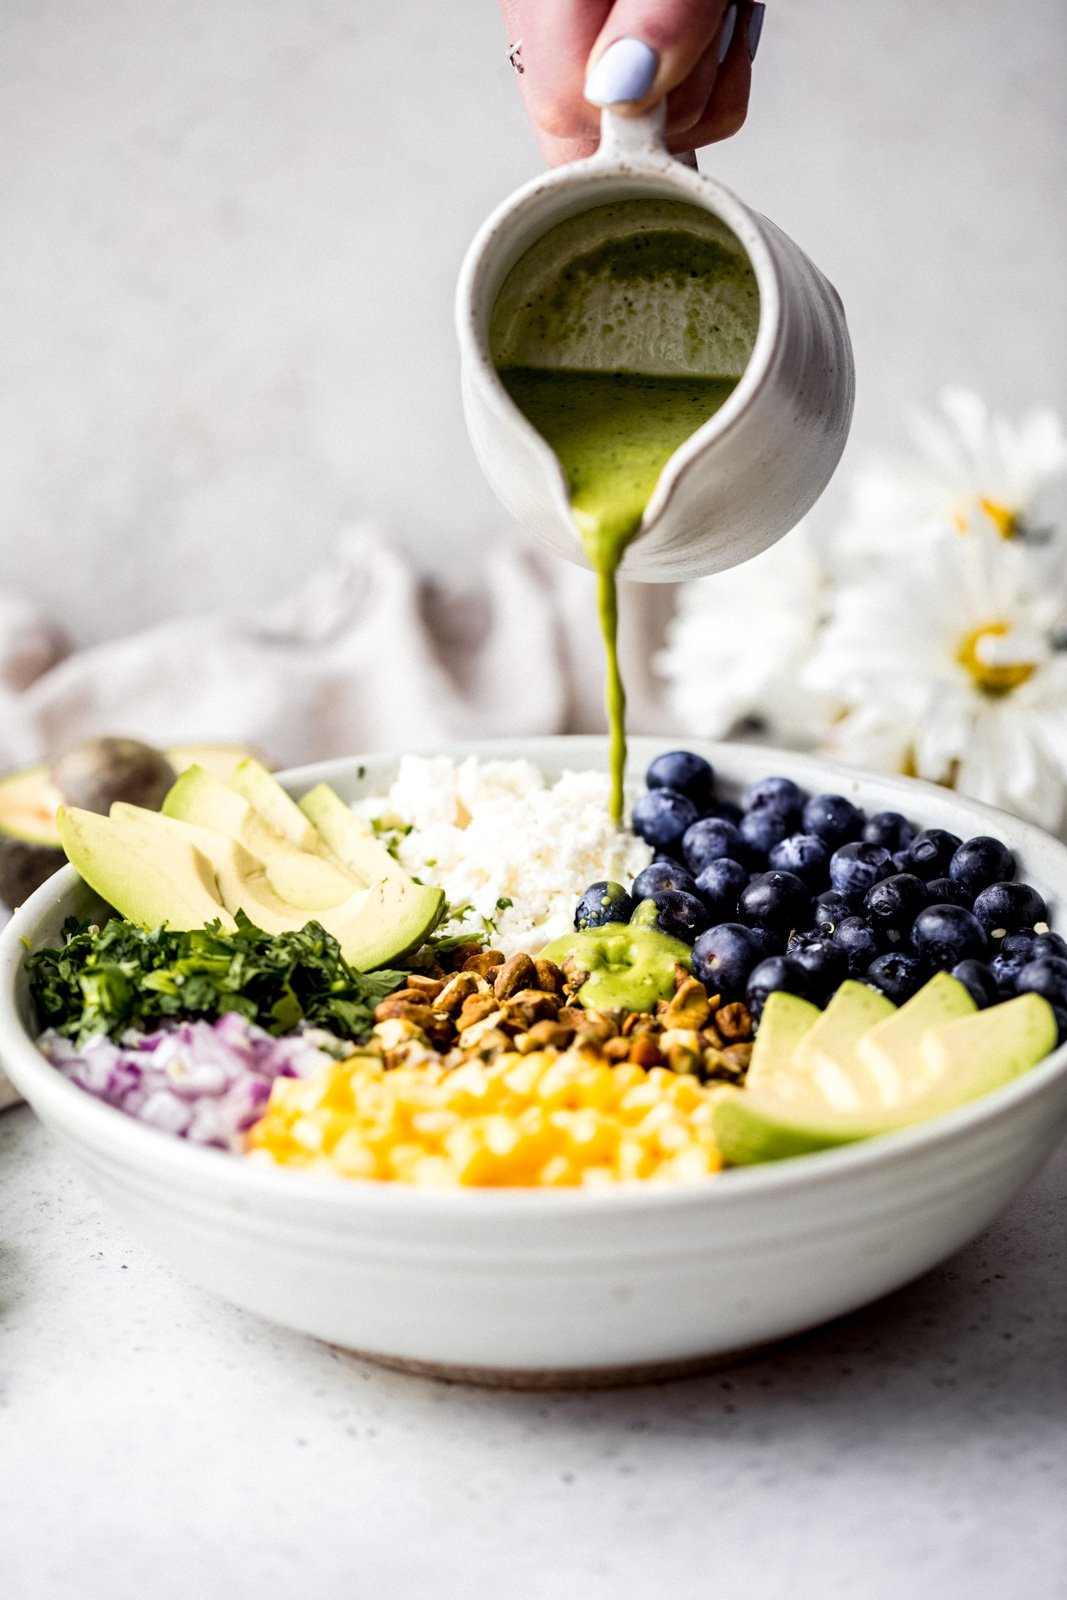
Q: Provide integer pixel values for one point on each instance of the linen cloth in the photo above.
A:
(365, 654)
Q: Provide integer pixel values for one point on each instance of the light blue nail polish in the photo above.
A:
(626, 71)
(726, 34)
(755, 28)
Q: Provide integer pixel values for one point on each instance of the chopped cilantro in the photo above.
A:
(107, 979)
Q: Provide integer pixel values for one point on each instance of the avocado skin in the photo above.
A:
(24, 867)
(748, 1139)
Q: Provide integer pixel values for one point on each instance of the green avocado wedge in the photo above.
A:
(786, 1019)
(374, 926)
(174, 889)
(349, 837)
(303, 878)
(956, 1062)
(279, 811)
(892, 1051)
(159, 871)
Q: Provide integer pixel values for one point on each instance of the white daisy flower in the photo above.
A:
(973, 466)
(953, 669)
(737, 641)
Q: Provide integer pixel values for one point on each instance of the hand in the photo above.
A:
(696, 53)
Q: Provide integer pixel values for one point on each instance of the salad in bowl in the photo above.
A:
(411, 1052)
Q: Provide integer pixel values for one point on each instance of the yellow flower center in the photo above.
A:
(1003, 518)
(993, 678)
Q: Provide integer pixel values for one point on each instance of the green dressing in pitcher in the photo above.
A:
(616, 352)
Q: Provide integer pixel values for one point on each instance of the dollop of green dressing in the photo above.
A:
(630, 967)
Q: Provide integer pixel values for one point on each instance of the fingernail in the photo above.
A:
(755, 28)
(726, 34)
(626, 71)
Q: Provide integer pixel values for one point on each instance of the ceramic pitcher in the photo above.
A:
(758, 465)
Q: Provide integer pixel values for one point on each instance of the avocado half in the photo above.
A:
(30, 849)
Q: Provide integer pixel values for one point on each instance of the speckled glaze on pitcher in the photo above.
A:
(750, 473)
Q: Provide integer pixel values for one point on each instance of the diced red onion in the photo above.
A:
(202, 1081)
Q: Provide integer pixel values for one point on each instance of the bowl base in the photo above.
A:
(567, 1377)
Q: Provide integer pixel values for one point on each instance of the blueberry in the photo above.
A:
(762, 830)
(777, 972)
(947, 892)
(723, 957)
(893, 904)
(833, 818)
(603, 902)
(931, 851)
(679, 914)
(947, 935)
(859, 942)
(979, 981)
(804, 854)
(1044, 944)
(1009, 906)
(727, 809)
(776, 900)
(1005, 968)
(897, 974)
(1060, 1013)
(855, 868)
(833, 907)
(981, 861)
(719, 886)
(1046, 976)
(818, 955)
(709, 839)
(775, 794)
(662, 816)
(900, 860)
(659, 876)
(770, 941)
(889, 829)
(685, 773)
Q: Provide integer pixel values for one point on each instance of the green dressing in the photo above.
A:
(630, 967)
(613, 433)
(618, 334)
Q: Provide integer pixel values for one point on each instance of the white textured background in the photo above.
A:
(229, 231)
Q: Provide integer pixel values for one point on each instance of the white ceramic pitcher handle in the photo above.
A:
(628, 138)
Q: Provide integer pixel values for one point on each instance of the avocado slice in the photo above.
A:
(972, 1055)
(825, 1063)
(955, 1062)
(751, 1128)
(349, 837)
(302, 878)
(30, 846)
(785, 1021)
(265, 795)
(175, 888)
(373, 926)
(890, 1051)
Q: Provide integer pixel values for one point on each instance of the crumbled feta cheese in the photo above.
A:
(499, 838)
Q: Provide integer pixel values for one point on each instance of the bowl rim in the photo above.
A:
(41, 1082)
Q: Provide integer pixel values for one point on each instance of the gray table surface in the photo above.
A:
(155, 1443)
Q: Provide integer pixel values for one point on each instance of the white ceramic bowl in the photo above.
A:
(563, 1286)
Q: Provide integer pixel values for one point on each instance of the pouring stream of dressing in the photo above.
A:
(618, 334)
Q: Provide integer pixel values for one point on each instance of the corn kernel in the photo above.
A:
(547, 1119)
